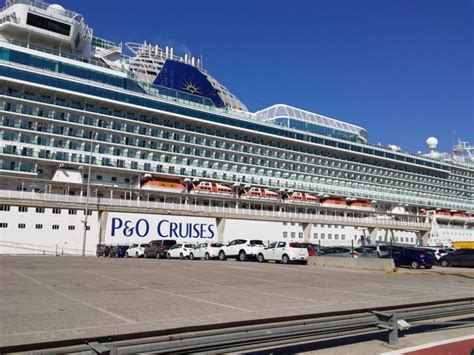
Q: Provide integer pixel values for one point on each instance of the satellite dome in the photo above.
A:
(432, 143)
(56, 8)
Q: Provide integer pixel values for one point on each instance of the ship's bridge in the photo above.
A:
(296, 118)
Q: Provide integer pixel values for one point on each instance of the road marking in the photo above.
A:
(169, 293)
(100, 309)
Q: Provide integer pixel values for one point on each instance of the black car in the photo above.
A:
(102, 250)
(460, 257)
(118, 251)
(158, 248)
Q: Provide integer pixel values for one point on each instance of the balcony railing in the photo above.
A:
(410, 222)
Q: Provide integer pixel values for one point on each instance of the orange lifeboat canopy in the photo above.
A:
(334, 201)
(360, 203)
(163, 184)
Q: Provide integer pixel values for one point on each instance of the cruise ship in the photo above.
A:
(121, 143)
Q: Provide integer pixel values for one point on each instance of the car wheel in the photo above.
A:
(181, 257)
(136, 254)
(260, 258)
(168, 255)
(444, 263)
(415, 265)
(207, 256)
(191, 256)
(222, 256)
(158, 256)
(285, 259)
(242, 255)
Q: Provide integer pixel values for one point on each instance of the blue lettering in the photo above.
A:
(173, 227)
(127, 230)
(116, 226)
(137, 227)
(186, 230)
(203, 226)
(158, 228)
(210, 228)
(195, 231)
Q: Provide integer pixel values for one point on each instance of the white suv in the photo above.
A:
(136, 250)
(180, 250)
(241, 249)
(206, 251)
(284, 252)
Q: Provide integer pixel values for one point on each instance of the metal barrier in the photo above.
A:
(249, 335)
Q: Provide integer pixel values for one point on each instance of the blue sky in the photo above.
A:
(402, 69)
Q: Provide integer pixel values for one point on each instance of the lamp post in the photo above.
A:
(86, 211)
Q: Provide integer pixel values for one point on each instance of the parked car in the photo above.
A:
(340, 252)
(206, 251)
(439, 252)
(459, 257)
(118, 251)
(366, 252)
(384, 249)
(136, 250)
(312, 248)
(158, 248)
(414, 257)
(242, 249)
(285, 252)
(102, 250)
(180, 250)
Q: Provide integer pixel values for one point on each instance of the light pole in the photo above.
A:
(86, 211)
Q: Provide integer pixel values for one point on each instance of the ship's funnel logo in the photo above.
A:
(190, 87)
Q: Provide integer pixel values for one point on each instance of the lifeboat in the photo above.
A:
(212, 187)
(302, 197)
(361, 204)
(458, 214)
(162, 184)
(443, 213)
(334, 201)
(259, 192)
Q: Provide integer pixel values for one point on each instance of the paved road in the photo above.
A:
(44, 298)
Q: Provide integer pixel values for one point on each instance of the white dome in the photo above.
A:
(432, 142)
(56, 8)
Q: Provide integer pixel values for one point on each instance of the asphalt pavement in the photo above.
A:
(47, 298)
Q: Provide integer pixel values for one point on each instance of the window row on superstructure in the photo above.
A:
(101, 117)
(218, 117)
(185, 149)
(108, 120)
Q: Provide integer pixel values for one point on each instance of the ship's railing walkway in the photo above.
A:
(25, 198)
